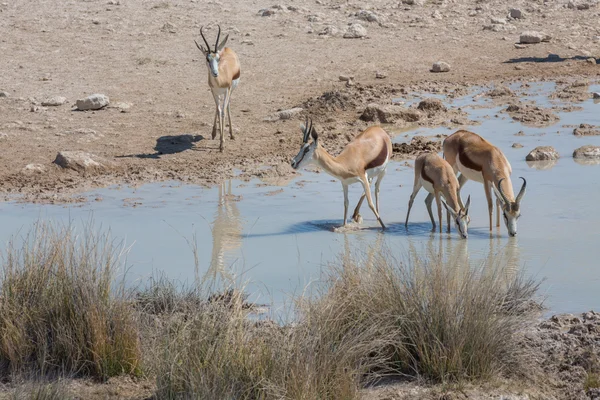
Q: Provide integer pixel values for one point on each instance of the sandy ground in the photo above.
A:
(141, 54)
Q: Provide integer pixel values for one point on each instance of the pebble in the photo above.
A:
(355, 31)
(93, 102)
(516, 13)
(345, 78)
(380, 75)
(4, 94)
(80, 161)
(440, 66)
(529, 37)
(368, 16)
(54, 101)
(596, 95)
(498, 21)
(517, 145)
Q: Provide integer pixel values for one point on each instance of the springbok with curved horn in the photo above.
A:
(437, 177)
(223, 77)
(364, 158)
(477, 159)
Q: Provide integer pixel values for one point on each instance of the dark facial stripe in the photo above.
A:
(380, 159)
(466, 161)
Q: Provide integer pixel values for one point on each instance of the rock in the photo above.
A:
(436, 15)
(517, 145)
(81, 161)
(355, 31)
(596, 95)
(93, 102)
(265, 12)
(380, 75)
(431, 105)
(498, 21)
(440, 66)
(516, 13)
(329, 30)
(3, 136)
(4, 94)
(284, 114)
(500, 91)
(587, 151)
(413, 2)
(417, 145)
(530, 37)
(121, 106)
(39, 168)
(387, 114)
(368, 16)
(542, 153)
(586, 130)
(54, 101)
(345, 78)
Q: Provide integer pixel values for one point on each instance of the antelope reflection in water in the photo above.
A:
(226, 232)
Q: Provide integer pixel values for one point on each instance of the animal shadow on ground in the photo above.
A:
(551, 58)
(170, 145)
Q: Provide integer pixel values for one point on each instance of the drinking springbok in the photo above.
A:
(364, 158)
(223, 77)
(477, 159)
(437, 177)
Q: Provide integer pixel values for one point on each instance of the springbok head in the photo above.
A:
(305, 155)
(461, 219)
(212, 56)
(511, 209)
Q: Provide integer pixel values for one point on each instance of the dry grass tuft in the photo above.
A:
(59, 311)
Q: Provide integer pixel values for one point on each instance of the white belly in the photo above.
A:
(374, 172)
(427, 185)
(469, 173)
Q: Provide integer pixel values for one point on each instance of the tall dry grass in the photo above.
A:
(60, 310)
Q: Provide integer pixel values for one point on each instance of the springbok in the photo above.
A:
(437, 177)
(364, 158)
(223, 77)
(477, 159)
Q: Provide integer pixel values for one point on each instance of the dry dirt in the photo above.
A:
(141, 54)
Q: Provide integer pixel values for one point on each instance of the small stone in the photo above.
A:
(346, 78)
(266, 12)
(3, 136)
(169, 28)
(355, 31)
(517, 146)
(498, 21)
(54, 101)
(284, 114)
(591, 60)
(81, 161)
(436, 15)
(4, 94)
(432, 105)
(530, 37)
(520, 46)
(542, 153)
(368, 16)
(440, 66)
(380, 75)
(39, 168)
(93, 102)
(587, 151)
(596, 95)
(583, 6)
(516, 13)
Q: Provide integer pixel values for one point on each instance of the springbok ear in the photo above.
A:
(314, 134)
(200, 48)
(220, 47)
(468, 205)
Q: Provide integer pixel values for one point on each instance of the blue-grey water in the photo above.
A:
(280, 238)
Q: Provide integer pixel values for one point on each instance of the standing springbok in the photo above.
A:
(223, 77)
(364, 158)
(477, 159)
(437, 177)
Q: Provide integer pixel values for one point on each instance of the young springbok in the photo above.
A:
(223, 77)
(364, 158)
(437, 177)
(477, 159)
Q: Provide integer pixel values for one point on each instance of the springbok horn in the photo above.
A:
(305, 130)
(502, 192)
(522, 191)
(202, 34)
(218, 36)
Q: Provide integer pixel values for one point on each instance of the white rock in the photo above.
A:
(587, 151)
(498, 21)
(413, 2)
(355, 31)
(81, 161)
(329, 30)
(34, 168)
(368, 16)
(596, 95)
(4, 94)
(345, 78)
(284, 114)
(54, 101)
(542, 153)
(516, 13)
(529, 37)
(440, 66)
(93, 102)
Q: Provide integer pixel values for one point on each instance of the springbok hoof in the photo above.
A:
(357, 218)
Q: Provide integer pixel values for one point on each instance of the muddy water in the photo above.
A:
(279, 238)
